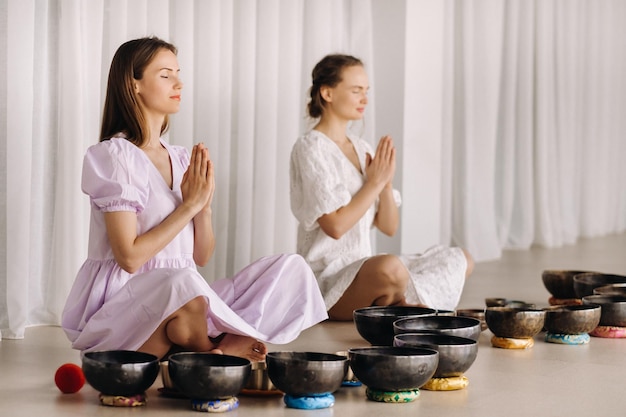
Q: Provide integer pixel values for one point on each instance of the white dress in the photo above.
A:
(323, 180)
(272, 300)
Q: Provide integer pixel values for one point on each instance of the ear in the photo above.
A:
(326, 93)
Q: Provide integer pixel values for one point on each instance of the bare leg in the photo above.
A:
(243, 346)
(382, 280)
(470, 263)
(186, 328)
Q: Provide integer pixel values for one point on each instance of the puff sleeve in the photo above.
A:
(115, 176)
(316, 185)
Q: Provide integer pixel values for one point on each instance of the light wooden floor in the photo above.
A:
(546, 380)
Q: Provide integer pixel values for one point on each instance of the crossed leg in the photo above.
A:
(382, 280)
(186, 330)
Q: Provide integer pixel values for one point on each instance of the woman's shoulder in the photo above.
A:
(312, 139)
(115, 152)
(116, 144)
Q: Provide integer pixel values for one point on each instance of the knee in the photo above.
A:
(294, 260)
(393, 272)
(197, 306)
(470, 263)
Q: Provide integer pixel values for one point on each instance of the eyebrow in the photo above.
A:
(169, 69)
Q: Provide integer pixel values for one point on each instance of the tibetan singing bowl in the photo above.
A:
(611, 289)
(574, 319)
(613, 309)
(456, 354)
(208, 376)
(387, 368)
(560, 283)
(120, 372)
(306, 373)
(477, 313)
(451, 325)
(584, 284)
(515, 323)
(375, 324)
(506, 302)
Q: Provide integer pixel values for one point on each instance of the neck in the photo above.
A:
(154, 136)
(334, 128)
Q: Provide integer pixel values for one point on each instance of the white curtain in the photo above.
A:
(537, 127)
(507, 115)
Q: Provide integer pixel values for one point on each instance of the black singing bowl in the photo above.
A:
(584, 284)
(477, 313)
(456, 354)
(613, 309)
(389, 368)
(120, 372)
(516, 323)
(375, 324)
(572, 319)
(208, 376)
(451, 325)
(506, 302)
(306, 373)
(560, 282)
(611, 289)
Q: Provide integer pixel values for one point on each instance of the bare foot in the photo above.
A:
(243, 346)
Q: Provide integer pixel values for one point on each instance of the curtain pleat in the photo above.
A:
(18, 279)
(507, 116)
(479, 27)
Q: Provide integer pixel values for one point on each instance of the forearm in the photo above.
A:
(130, 250)
(204, 238)
(387, 217)
(336, 224)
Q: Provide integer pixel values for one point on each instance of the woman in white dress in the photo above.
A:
(340, 189)
(150, 225)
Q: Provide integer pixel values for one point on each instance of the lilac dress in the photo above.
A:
(272, 300)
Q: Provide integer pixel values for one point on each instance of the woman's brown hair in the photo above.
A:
(122, 111)
(327, 73)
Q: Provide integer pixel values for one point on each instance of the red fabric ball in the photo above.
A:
(69, 378)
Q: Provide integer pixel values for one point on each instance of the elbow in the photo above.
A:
(334, 233)
(331, 226)
(128, 264)
(392, 230)
(387, 231)
(201, 261)
(202, 257)
(129, 267)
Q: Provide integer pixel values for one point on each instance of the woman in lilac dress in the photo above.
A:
(341, 189)
(150, 226)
